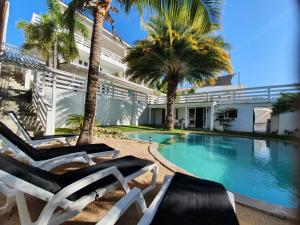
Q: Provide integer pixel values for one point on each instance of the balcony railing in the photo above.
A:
(80, 40)
(266, 94)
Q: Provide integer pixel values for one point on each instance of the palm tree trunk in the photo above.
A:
(55, 55)
(86, 135)
(171, 98)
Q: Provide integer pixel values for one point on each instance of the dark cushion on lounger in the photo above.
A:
(19, 142)
(45, 154)
(39, 155)
(41, 137)
(41, 178)
(44, 137)
(193, 201)
(54, 183)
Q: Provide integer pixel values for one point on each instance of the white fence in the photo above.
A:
(266, 94)
(53, 88)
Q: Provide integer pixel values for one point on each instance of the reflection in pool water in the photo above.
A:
(261, 169)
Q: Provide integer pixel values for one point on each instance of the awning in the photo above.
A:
(15, 55)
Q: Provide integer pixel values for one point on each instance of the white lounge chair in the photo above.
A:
(37, 140)
(71, 191)
(52, 157)
(181, 200)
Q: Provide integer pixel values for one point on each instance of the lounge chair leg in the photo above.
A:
(152, 185)
(10, 203)
(23, 209)
(10, 198)
(116, 154)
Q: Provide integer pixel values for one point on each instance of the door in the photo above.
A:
(199, 117)
(192, 117)
(163, 116)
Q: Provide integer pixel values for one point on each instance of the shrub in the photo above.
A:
(287, 102)
(75, 121)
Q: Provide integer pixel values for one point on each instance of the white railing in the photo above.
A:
(104, 52)
(47, 84)
(45, 113)
(266, 94)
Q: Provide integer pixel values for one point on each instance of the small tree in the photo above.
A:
(75, 121)
(50, 36)
(287, 102)
(175, 53)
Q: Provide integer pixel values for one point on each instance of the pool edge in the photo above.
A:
(274, 210)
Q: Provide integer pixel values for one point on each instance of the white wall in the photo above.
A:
(244, 120)
(110, 111)
(274, 123)
(158, 117)
(288, 121)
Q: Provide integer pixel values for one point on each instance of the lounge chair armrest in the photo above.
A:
(76, 186)
(135, 195)
(60, 160)
(231, 198)
(152, 209)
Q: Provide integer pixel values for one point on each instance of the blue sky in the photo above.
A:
(263, 35)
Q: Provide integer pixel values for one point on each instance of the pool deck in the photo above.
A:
(274, 210)
(96, 210)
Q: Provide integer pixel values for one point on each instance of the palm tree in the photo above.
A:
(206, 11)
(173, 56)
(50, 36)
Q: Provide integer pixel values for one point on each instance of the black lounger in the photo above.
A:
(39, 139)
(72, 190)
(182, 200)
(19, 147)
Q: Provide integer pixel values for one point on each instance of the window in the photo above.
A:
(176, 114)
(86, 64)
(232, 113)
(104, 89)
(80, 62)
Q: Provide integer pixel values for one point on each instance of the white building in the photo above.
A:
(113, 51)
(60, 93)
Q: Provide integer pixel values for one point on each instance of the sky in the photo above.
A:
(263, 35)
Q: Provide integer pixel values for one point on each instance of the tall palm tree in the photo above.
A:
(173, 56)
(50, 36)
(206, 11)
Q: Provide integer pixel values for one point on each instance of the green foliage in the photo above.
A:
(199, 14)
(75, 121)
(51, 33)
(191, 91)
(116, 74)
(188, 57)
(288, 102)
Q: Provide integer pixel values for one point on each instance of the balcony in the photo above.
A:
(257, 95)
(105, 53)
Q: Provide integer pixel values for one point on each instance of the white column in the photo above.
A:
(149, 116)
(27, 79)
(212, 112)
(50, 120)
(186, 118)
(206, 114)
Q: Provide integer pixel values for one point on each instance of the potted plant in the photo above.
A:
(224, 118)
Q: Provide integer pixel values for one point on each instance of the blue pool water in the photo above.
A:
(261, 169)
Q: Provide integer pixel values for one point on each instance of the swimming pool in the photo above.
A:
(261, 169)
